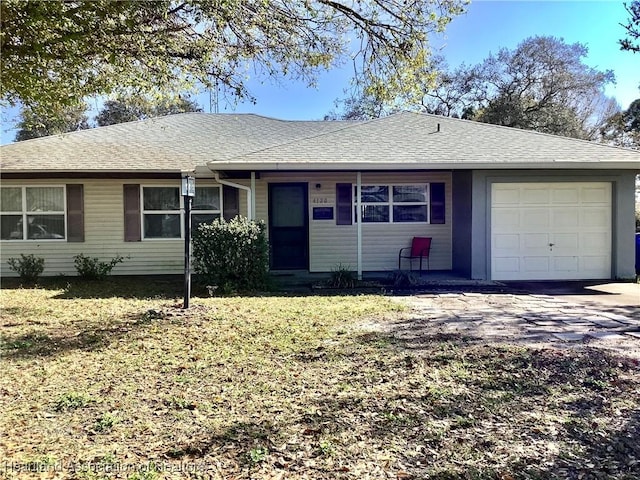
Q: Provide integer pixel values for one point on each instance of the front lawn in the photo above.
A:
(112, 380)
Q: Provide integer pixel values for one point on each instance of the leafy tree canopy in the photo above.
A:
(34, 124)
(632, 40)
(543, 84)
(55, 52)
(139, 107)
(623, 128)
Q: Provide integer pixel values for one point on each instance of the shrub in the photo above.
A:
(342, 277)
(29, 267)
(92, 268)
(233, 255)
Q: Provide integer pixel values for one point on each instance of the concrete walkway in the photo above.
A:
(607, 316)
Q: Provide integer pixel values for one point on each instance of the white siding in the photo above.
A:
(331, 244)
(104, 234)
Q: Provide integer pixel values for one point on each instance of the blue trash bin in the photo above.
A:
(637, 253)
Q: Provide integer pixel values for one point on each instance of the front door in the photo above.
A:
(288, 226)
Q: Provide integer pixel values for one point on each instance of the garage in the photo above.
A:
(551, 231)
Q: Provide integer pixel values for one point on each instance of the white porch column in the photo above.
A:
(359, 222)
(252, 206)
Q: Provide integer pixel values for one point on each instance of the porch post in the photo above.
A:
(359, 222)
(252, 207)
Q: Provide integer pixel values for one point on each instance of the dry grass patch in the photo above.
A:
(101, 379)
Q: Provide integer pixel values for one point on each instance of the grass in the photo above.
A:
(111, 380)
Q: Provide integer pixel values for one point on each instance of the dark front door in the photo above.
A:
(288, 226)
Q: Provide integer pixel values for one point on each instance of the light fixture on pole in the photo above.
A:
(188, 192)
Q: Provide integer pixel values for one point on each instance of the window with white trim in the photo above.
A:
(162, 210)
(394, 203)
(32, 213)
(206, 206)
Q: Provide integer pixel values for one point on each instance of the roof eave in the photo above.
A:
(390, 166)
(94, 174)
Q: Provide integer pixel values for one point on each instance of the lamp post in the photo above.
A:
(188, 192)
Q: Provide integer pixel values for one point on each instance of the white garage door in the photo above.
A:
(550, 231)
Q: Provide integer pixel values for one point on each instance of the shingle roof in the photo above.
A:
(246, 141)
(413, 140)
(167, 144)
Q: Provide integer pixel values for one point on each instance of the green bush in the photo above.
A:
(92, 268)
(342, 277)
(29, 267)
(233, 255)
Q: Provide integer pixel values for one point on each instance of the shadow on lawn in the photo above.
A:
(453, 410)
(249, 440)
(38, 344)
(160, 287)
(134, 287)
(493, 403)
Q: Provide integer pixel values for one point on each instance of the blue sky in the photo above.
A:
(486, 27)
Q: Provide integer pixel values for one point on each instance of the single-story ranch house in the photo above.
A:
(499, 203)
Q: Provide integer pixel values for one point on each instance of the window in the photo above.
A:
(410, 203)
(32, 213)
(205, 207)
(162, 210)
(375, 203)
(402, 203)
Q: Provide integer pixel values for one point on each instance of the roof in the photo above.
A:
(222, 142)
(414, 140)
(173, 143)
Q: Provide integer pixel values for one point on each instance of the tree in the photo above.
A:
(632, 41)
(56, 51)
(365, 101)
(132, 108)
(543, 85)
(623, 128)
(453, 93)
(33, 124)
(361, 106)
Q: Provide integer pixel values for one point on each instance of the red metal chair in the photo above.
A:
(419, 248)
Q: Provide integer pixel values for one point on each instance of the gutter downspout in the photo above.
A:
(216, 175)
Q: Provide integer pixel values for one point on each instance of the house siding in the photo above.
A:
(104, 234)
(332, 244)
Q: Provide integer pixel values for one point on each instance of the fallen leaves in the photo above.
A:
(292, 387)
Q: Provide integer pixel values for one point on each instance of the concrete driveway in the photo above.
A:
(558, 314)
(595, 292)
